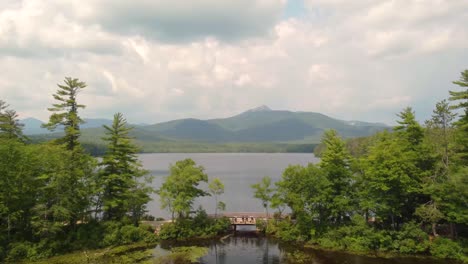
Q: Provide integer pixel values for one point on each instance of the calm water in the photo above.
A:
(246, 248)
(238, 171)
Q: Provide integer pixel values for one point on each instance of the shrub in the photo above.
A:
(411, 239)
(446, 248)
(21, 250)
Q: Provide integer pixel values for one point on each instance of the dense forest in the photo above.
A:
(56, 198)
(402, 191)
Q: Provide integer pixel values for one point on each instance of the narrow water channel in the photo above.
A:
(246, 247)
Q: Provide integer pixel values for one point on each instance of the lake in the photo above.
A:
(248, 247)
(238, 171)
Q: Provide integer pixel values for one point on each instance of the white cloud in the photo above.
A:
(349, 59)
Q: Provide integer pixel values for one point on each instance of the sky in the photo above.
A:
(158, 60)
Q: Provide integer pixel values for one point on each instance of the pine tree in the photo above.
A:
(461, 97)
(71, 191)
(336, 163)
(65, 112)
(121, 190)
(439, 135)
(409, 128)
(10, 126)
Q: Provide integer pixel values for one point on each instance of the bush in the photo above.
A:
(284, 230)
(446, 248)
(21, 250)
(411, 239)
(201, 226)
(117, 233)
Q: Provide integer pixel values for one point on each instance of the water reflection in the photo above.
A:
(248, 247)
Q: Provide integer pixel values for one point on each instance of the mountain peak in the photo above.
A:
(262, 108)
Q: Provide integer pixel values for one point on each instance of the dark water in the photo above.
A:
(238, 171)
(247, 247)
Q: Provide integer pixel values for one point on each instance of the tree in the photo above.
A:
(439, 133)
(263, 191)
(306, 191)
(121, 190)
(74, 182)
(336, 163)
(65, 112)
(461, 97)
(391, 180)
(179, 190)
(409, 128)
(438, 140)
(216, 188)
(10, 126)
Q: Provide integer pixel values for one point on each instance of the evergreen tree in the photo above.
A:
(72, 186)
(461, 99)
(121, 189)
(10, 126)
(439, 134)
(65, 112)
(409, 128)
(336, 163)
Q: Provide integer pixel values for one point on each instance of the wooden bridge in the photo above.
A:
(243, 218)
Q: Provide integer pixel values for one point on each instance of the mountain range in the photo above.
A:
(260, 125)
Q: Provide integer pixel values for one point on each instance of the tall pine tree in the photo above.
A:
(71, 188)
(461, 99)
(65, 112)
(123, 188)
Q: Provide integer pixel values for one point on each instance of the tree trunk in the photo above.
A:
(434, 231)
(216, 207)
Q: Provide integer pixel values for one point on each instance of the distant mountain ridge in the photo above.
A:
(32, 126)
(257, 125)
(262, 124)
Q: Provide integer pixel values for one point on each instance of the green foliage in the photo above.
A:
(10, 127)
(461, 134)
(65, 112)
(411, 239)
(263, 192)
(49, 191)
(122, 184)
(183, 255)
(285, 230)
(200, 226)
(446, 248)
(216, 188)
(409, 128)
(179, 190)
(118, 233)
(336, 163)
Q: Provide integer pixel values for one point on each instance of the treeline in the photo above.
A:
(402, 191)
(55, 197)
(96, 147)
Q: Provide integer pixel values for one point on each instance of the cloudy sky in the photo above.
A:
(156, 60)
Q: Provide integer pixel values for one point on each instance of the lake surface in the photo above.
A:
(238, 171)
(248, 247)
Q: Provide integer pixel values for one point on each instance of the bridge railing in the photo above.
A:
(243, 220)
